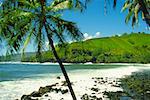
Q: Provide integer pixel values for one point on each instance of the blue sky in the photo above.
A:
(93, 22)
(93, 19)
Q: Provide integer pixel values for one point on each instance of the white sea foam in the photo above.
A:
(11, 90)
(82, 80)
(34, 63)
(87, 63)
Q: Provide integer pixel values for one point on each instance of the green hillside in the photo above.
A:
(128, 48)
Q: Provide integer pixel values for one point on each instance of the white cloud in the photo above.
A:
(87, 36)
(97, 35)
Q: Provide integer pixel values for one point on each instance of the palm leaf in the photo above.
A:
(126, 5)
(58, 5)
(128, 17)
(115, 3)
(27, 40)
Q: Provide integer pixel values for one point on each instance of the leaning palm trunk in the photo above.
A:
(62, 68)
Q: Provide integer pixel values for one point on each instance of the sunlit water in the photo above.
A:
(19, 79)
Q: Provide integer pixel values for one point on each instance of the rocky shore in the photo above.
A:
(96, 90)
(88, 84)
(91, 85)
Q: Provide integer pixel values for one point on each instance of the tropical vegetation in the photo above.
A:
(136, 9)
(127, 48)
(135, 86)
(38, 20)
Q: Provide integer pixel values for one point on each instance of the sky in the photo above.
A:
(93, 22)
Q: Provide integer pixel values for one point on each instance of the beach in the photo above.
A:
(90, 81)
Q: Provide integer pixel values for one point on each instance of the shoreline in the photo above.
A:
(93, 84)
(84, 82)
(87, 63)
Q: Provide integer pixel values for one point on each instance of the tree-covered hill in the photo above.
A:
(128, 48)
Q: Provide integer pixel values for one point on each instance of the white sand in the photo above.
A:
(82, 81)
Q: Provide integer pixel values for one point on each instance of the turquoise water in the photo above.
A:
(11, 72)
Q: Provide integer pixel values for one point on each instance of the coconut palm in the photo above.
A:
(135, 9)
(22, 21)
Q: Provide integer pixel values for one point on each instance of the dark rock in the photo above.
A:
(57, 90)
(35, 94)
(94, 97)
(93, 93)
(85, 97)
(50, 86)
(115, 85)
(99, 98)
(58, 77)
(64, 91)
(46, 95)
(110, 83)
(102, 81)
(95, 89)
(26, 97)
(44, 90)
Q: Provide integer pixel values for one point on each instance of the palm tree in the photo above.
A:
(135, 9)
(24, 20)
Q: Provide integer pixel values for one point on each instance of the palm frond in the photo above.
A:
(28, 39)
(69, 28)
(115, 3)
(128, 17)
(58, 5)
(58, 33)
(133, 20)
(126, 5)
(135, 8)
(17, 24)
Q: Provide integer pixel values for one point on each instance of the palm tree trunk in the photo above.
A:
(62, 68)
